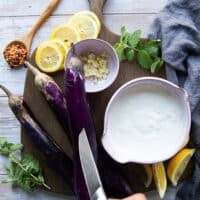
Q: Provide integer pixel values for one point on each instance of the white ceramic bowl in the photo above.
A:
(148, 150)
(97, 46)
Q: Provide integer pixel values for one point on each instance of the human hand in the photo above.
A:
(136, 197)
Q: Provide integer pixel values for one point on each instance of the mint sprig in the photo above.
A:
(6, 148)
(146, 53)
(25, 171)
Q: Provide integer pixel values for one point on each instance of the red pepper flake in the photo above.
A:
(15, 54)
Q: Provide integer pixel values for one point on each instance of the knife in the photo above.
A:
(90, 171)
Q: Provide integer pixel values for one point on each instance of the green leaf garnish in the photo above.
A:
(130, 54)
(144, 59)
(134, 38)
(120, 51)
(152, 47)
(7, 148)
(130, 47)
(156, 65)
(25, 171)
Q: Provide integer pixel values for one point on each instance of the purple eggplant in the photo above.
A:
(51, 153)
(54, 96)
(80, 117)
(113, 180)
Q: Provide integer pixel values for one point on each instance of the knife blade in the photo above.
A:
(90, 170)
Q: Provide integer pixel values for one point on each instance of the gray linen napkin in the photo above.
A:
(178, 27)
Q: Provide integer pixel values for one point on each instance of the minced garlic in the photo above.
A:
(95, 66)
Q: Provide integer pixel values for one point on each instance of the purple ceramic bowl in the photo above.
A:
(149, 150)
(97, 46)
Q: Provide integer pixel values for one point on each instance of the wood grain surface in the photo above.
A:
(16, 18)
(97, 101)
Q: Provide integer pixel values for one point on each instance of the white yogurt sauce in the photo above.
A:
(144, 117)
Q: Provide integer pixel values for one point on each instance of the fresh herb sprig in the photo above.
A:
(25, 171)
(7, 148)
(146, 53)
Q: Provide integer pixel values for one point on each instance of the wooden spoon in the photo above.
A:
(26, 40)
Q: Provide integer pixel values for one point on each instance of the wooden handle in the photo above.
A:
(27, 38)
(97, 7)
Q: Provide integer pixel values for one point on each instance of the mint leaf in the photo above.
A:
(144, 59)
(13, 159)
(123, 31)
(30, 164)
(156, 65)
(130, 54)
(8, 180)
(7, 148)
(152, 47)
(25, 171)
(126, 38)
(139, 46)
(146, 52)
(2, 141)
(10, 170)
(120, 51)
(134, 38)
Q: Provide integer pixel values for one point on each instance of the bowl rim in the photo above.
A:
(166, 155)
(114, 76)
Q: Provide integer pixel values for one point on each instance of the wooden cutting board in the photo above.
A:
(98, 103)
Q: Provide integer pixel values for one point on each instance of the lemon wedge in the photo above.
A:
(186, 142)
(65, 33)
(49, 57)
(160, 178)
(149, 175)
(178, 164)
(64, 47)
(85, 25)
(91, 15)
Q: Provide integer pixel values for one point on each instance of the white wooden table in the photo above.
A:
(16, 17)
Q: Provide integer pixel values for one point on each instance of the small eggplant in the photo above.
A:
(53, 94)
(80, 117)
(51, 153)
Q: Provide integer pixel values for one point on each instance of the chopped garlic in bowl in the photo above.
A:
(95, 66)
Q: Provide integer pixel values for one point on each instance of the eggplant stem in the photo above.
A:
(8, 93)
(32, 68)
(73, 49)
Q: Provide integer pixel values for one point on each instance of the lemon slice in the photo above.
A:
(149, 175)
(85, 25)
(160, 178)
(90, 14)
(49, 57)
(65, 33)
(178, 164)
(64, 47)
